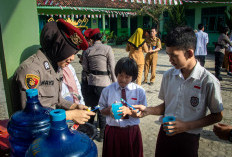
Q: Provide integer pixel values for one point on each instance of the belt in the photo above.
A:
(96, 72)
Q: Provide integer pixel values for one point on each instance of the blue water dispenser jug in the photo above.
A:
(62, 142)
(28, 124)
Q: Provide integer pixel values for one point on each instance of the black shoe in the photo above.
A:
(229, 73)
(144, 82)
(219, 78)
(100, 135)
(99, 139)
(151, 83)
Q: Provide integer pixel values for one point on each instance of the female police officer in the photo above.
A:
(59, 41)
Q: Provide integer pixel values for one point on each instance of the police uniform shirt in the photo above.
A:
(99, 58)
(189, 99)
(153, 42)
(222, 40)
(37, 72)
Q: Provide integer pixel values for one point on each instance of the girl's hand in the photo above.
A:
(125, 111)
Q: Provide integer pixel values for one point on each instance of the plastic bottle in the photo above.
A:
(62, 142)
(28, 124)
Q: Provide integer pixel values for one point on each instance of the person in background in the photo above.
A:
(201, 48)
(98, 64)
(154, 45)
(229, 51)
(84, 81)
(71, 88)
(222, 42)
(59, 41)
(123, 136)
(187, 91)
(223, 131)
(136, 46)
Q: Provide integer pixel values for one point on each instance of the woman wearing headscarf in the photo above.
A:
(98, 63)
(59, 41)
(136, 46)
(71, 88)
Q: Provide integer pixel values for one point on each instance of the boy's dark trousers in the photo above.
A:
(201, 59)
(179, 145)
(219, 57)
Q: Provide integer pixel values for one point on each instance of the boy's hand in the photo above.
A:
(135, 113)
(142, 110)
(175, 127)
(222, 130)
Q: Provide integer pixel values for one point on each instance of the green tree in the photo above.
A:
(154, 11)
(176, 17)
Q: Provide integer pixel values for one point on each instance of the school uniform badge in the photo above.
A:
(31, 81)
(194, 101)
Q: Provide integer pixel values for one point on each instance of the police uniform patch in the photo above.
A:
(31, 81)
(46, 65)
(194, 101)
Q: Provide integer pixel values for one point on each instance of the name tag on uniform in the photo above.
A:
(47, 83)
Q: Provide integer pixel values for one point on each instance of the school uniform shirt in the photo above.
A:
(65, 91)
(100, 58)
(202, 41)
(189, 100)
(37, 72)
(135, 94)
(137, 54)
(153, 42)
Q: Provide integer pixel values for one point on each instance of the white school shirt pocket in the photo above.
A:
(196, 99)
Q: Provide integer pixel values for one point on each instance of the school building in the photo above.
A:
(118, 19)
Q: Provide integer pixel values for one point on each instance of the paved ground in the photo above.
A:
(210, 145)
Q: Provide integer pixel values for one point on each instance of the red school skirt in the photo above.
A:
(122, 142)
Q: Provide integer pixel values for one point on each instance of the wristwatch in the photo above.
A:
(230, 136)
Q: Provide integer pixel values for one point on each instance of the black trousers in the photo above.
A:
(92, 96)
(201, 59)
(219, 57)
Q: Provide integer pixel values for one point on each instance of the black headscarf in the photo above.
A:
(54, 45)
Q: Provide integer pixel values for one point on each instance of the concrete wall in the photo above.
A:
(19, 37)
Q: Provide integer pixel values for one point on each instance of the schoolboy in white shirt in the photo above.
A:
(187, 91)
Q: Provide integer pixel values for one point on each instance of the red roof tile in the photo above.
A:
(89, 3)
